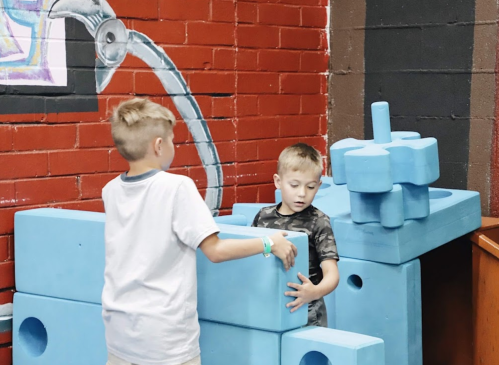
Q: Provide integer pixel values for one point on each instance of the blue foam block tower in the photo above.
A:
(50, 331)
(373, 169)
(383, 301)
(308, 345)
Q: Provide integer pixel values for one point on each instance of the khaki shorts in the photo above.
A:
(114, 360)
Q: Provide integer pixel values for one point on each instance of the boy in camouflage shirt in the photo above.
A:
(298, 176)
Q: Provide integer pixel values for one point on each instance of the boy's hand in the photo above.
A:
(305, 293)
(284, 249)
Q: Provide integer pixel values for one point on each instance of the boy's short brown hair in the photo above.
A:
(299, 157)
(135, 123)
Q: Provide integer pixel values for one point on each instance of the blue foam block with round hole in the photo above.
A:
(337, 347)
(223, 344)
(453, 213)
(50, 331)
(250, 292)
(381, 300)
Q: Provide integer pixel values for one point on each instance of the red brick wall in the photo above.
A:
(258, 70)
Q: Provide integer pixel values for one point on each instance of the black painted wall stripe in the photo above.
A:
(419, 57)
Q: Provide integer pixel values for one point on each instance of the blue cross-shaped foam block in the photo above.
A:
(373, 166)
(387, 177)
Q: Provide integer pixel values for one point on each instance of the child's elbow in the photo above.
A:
(214, 255)
(215, 258)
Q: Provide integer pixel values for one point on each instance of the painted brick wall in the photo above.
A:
(258, 70)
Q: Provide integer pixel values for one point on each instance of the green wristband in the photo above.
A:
(267, 247)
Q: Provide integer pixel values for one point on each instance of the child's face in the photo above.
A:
(298, 189)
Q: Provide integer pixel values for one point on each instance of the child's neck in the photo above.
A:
(142, 166)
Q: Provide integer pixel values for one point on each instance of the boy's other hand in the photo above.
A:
(305, 293)
(284, 249)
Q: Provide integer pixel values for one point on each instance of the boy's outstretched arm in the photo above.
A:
(218, 250)
(308, 292)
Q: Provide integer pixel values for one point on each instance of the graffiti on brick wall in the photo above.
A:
(31, 46)
(112, 44)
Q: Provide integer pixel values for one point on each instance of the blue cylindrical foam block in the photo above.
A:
(381, 122)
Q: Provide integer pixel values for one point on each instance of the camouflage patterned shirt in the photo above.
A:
(321, 245)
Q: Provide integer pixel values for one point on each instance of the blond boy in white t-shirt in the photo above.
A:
(155, 221)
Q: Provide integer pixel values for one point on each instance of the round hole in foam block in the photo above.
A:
(315, 358)
(439, 194)
(355, 282)
(33, 336)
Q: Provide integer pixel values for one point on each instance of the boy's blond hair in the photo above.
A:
(299, 157)
(135, 123)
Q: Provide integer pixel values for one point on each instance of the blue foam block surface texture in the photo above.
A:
(249, 210)
(404, 201)
(223, 344)
(60, 253)
(49, 331)
(383, 301)
(340, 347)
(234, 219)
(250, 292)
(367, 167)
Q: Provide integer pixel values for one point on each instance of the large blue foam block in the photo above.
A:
(381, 300)
(339, 347)
(250, 292)
(223, 344)
(60, 253)
(49, 331)
(453, 213)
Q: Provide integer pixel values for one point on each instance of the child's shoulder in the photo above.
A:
(268, 210)
(318, 213)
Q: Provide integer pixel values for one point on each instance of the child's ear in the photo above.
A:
(157, 145)
(277, 181)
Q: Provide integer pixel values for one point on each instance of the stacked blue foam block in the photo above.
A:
(57, 310)
(384, 217)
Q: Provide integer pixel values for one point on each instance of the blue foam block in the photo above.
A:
(234, 219)
(404, 201)
(384, 301)
(249, 210)
(223, 344)
(339, 347)
(60, 253)
(49, 331)
(367, 167)
(250, 292)
(453, 213)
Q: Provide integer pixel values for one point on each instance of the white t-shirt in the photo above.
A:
(154, 224)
